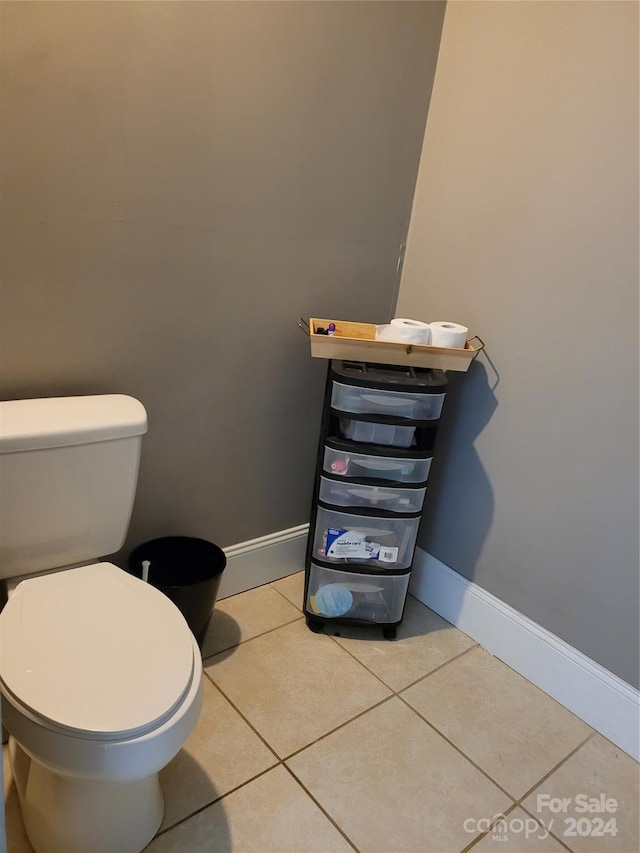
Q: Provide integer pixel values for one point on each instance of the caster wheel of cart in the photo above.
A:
(316, 627)
(389, 633)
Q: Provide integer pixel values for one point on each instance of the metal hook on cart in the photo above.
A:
(302, 324)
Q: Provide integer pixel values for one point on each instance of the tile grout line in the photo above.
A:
(282, 593)
(248, 640)
(241, 715)
(322, 809)
(363, 665)
(338, 727)
(557, 766)
(440, 666)
(380, 679)
(214, 801)
(458, 750)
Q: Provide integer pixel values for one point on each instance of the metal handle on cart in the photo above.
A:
(478, 349)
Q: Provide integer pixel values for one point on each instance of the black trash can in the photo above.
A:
(186, 570)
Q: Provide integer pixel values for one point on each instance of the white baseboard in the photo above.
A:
(263, 560)
(607, 703)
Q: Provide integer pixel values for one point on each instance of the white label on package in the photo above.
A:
(351, 543)
(388, 555)
(346, 543)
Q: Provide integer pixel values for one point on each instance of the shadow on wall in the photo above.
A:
(460, 502)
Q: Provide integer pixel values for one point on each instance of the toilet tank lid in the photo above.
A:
(64, 421)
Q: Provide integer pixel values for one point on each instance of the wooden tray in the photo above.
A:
(356, 342)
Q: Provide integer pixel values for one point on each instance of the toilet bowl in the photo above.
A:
(101, 686)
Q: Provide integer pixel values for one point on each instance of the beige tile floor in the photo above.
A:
(313, 743)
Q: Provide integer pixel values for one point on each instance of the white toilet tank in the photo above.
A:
(68, 474)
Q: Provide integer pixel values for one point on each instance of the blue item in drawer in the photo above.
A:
(333, 599)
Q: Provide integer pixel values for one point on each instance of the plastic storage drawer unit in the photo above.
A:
(375, 433)
(349, 493)
(383, 540)
(379, 427)
(348, 595)
(396, 404)
(346, 463)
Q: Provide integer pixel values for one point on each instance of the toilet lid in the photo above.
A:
(95, 650)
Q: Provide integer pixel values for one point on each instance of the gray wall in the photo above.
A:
(180, 182)
(525, 228)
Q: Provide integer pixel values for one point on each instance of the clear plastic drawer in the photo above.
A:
(383, 541)
(344, 463)
(372, 598)
(373, 433)
(375, 401)
(346, 493)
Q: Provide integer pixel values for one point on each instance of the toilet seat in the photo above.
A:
(95, 653)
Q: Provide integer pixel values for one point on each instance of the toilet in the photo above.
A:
(100, 676)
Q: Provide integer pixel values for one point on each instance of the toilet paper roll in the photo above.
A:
(445, 334)
(417, 327)
(404, 331)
